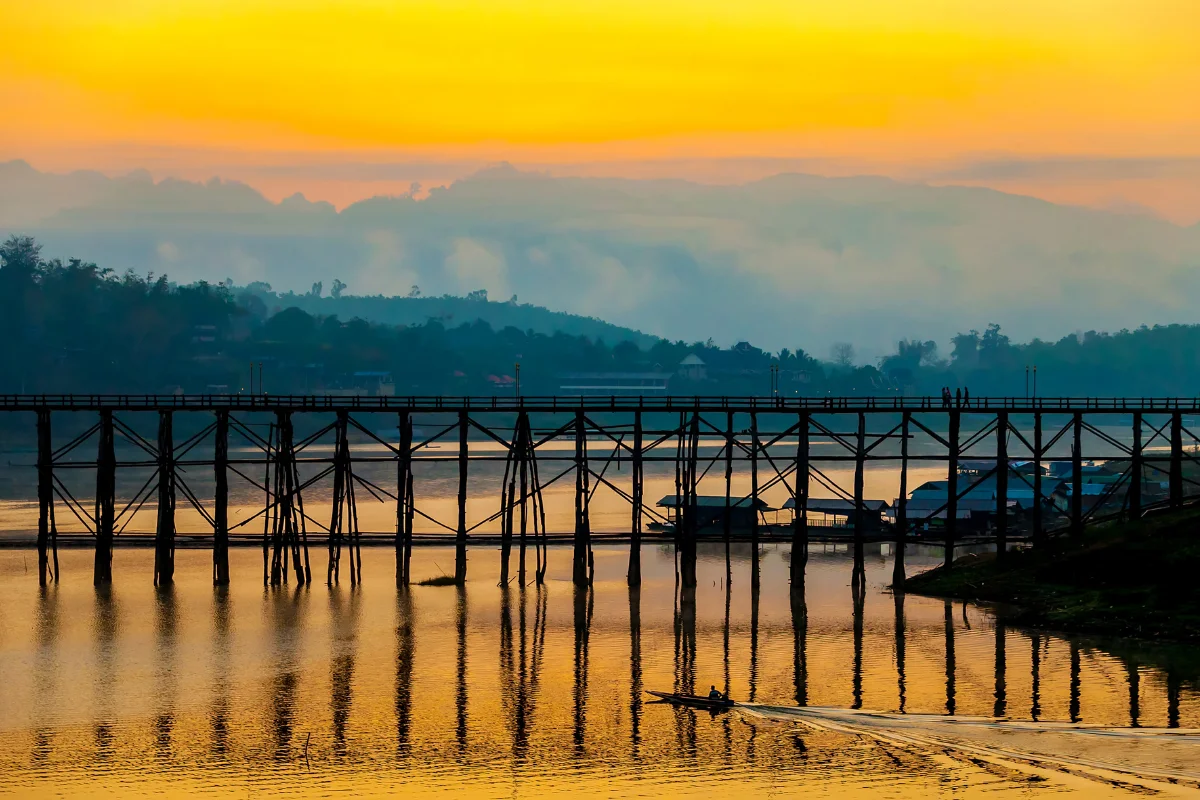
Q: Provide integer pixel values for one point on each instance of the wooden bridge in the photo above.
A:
(1148, 444)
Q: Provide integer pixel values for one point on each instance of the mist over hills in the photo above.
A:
(793, 260)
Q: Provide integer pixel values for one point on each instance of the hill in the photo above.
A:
(788, 260)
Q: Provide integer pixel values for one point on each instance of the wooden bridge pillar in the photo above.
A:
(404, 500)
(952, 488)
(754, 482)
(634, 575)
(860, 455)
(460, 539)
(106, 489)
(901, 525)
(1076, 474)
(525, 442)
(1175, 485)
(1039, 532)
(691, 503)
(799, 560)
(728, 526)
(47, 541)
(1136, 468)
(582, 545)
(221, 511)
(1001, 483)
(164, 536)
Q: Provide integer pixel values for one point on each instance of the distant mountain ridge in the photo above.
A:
(792, 260)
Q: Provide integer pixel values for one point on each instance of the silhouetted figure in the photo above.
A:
(714, 694)
(945, 397)
(967, 397)
(958, 397)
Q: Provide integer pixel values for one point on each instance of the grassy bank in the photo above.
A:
(1138, 579)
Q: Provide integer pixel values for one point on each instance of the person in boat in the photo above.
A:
(713, 694)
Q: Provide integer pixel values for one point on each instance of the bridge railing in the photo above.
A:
(590, 402)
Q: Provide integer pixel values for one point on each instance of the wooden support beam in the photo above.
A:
(164, 536)
(754, 483)
(901, 525)
(634, 575)
(221, 492)
(860, 455)
(1076, 523)
(47, 533)
(1175, 485)
(690, 531)
(337, 512)
(523, 461)
(1001, 483)
(951, 526)
(799, 556)
(403, 500)
(106, 501)
(1039, 530)
(508, 493)
(1137, 468)
(460, 538)
(728, 527)
(579, 565)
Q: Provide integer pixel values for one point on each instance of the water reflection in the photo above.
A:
(462, 679)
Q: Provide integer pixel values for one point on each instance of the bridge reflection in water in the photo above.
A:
(513, 683)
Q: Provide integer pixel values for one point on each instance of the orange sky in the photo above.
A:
(192, 84)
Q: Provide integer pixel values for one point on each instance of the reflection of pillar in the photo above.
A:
(1173, 691)
(219, 716)
(341, 673)
(754, 593)
(950, 691)
(858, 603)
(45, 668)
(1134, 693)
(166, 620)
(635, 671)
(1001, 693)
(583, 621)
(460, 673)
(1074, 701)
(106, 650)
(800, 644)
(405, 650)
(286, 627)
(900, 633)
(687, 619)
(1035, 667)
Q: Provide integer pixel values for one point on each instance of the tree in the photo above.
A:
(316, 290)
(479, 295)
(842, 354)
(338, 288)
(415, 291)
(21, 253)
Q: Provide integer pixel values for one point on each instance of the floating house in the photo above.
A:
(835, 512)
(710, 511)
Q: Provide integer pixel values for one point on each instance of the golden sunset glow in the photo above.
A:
(579, 78)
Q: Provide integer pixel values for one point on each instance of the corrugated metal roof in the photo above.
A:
(716, 501)
(834, 505)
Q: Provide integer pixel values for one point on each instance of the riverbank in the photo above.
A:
(1136, 579)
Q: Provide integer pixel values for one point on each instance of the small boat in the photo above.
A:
(693, 700)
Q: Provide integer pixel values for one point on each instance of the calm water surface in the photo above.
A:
(493, 692)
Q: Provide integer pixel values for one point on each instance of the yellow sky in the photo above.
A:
(559, 80)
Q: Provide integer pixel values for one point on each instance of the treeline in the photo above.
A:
(75, 327)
